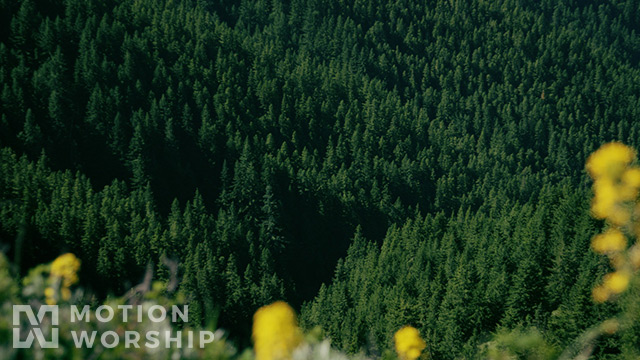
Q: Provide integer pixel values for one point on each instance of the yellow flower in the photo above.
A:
(275, 332)
(612, 240)
(631, 177)
(604, 199)
(630, 184)
(49, 292)
(607, 201)
(65, 294)
(66, 267)
(616, 187)
(617, 282)
(50, 301)
(600, 294)
(613, 284)
(619, 216)
(610, 160)
(610, 326)
(409, 344)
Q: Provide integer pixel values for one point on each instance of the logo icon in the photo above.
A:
(35, 329)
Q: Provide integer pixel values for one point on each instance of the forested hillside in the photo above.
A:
(424, 160)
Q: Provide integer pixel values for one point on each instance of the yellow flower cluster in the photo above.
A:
(275, 332)
(409, 344)
(64, 272)
(615, 182)
(613, 284)
(66, 268)
(616, 186)
(613, 240)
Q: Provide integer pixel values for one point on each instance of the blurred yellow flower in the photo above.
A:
(66, 268)
(49, 292)
(65, 294)
(613, 284)
(607, 201)
(617, 282)
(612, 240)
(616, 186)
(630, 183)
(610, 326)
(609, 160)
(49, 296)
(631, 178)
(409, 344)
(604, 199)
(275, 332)
(600, 294)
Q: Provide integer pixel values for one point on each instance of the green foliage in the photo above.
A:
(518, 344)
(156, 294)
(428, 156)
(463, 278)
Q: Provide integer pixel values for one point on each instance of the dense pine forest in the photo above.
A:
(374, 163)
